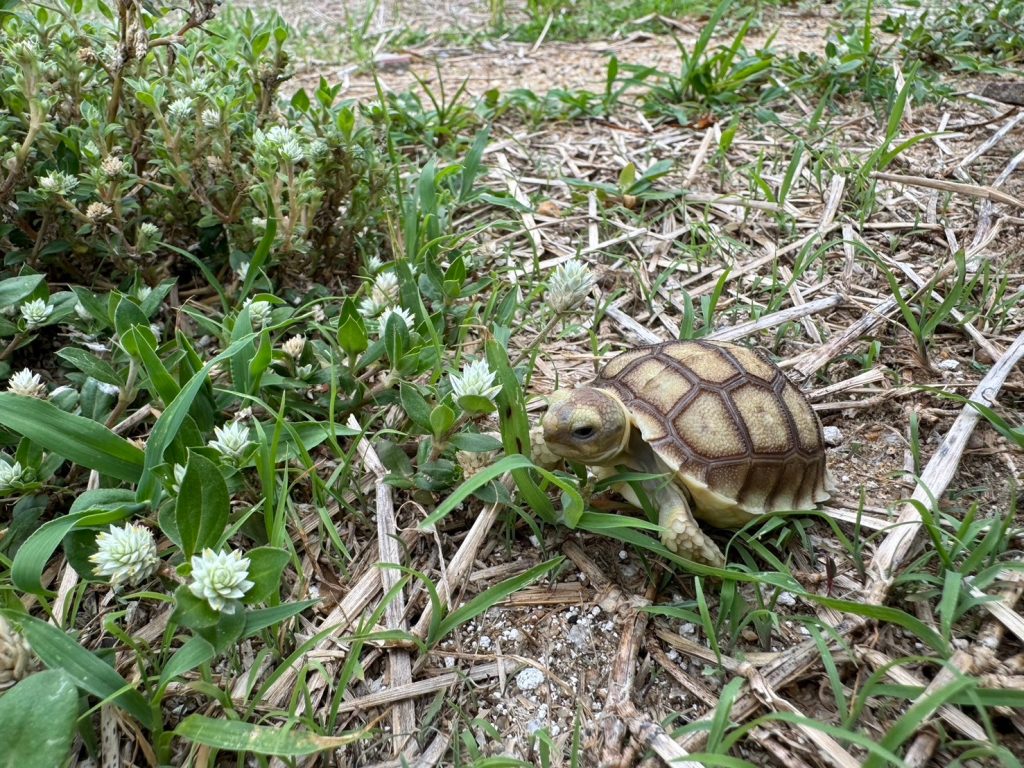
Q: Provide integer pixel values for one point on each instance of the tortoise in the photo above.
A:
(730, 437)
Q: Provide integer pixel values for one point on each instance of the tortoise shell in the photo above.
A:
(741, 438)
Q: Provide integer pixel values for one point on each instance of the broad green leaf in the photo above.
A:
(194, 652)
(127, 317)
(14, 289)
(226, 631)
(161, 383)
(90, 673)
(442, 419)
(203, 504)
(91, 365)
(261, 618)
(77, 439)
(191, 611)
(37, 720)
(415, 405)
(475, 442)
(266, 565)
(238, 736)
(260, 361)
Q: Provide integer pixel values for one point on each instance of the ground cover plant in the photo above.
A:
(274, 336)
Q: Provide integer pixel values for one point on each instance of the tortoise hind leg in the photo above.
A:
(681, 532)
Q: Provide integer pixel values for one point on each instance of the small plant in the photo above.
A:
(708, 79)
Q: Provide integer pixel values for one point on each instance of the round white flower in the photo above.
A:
(476, 380)
(36, 312)
(259, 312)
(399, 312)
(231, 441)
(179, 110)
(569, 285)
(220, 576)
(11, 476)
(386, 285)
(126, 555)
(294, 347)
(58, 183)
(26, 383)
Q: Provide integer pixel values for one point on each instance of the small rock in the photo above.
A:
(622, 554)
(833, 435)
(579, 636)
(787, 599)
(529, 679)
(688, 629)
(948, 365)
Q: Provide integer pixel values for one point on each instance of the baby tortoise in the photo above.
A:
(733, 436)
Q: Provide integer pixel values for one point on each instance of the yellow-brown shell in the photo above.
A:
(740, 436)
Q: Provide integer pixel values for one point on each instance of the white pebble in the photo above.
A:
(786, 598)
(948, 365)
(529, 679)
(622, 554)
(688, 629)
(833, 435)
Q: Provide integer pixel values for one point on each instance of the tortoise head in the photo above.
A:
(586, 424)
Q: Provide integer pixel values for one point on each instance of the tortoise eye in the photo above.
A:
(583, 432)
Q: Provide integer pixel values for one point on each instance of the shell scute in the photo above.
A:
(742, 439)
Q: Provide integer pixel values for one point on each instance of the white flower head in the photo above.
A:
(82, 312)
(317, 149)
(220, 576)
(11, 476)
(292, 150)
(294, 346)
(179, 110)
(26, 383)
(231, 441)
(243, 271)
(97, 211)
(569, 285)
(259, 312)
(400, 312)
(210, 117)
(374, 264)
(142, 292)
(304, 371)
(58, 183)
(126, 555)
(112, 166)
(386, 285)
(35, 312)
(369, 307)
(476, 379)
(148, 234)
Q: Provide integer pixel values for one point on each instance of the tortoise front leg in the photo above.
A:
(680, 531)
